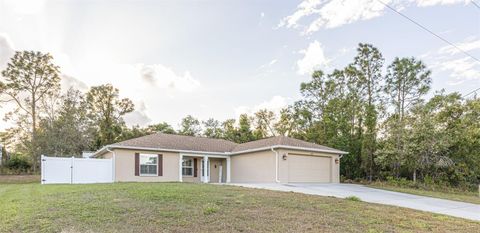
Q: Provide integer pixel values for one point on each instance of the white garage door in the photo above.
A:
(309, 169)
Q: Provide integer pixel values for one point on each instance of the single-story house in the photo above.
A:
(167, 157)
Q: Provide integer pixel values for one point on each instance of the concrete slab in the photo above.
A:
(372, 195)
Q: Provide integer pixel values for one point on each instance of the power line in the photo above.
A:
(431, 32)
(475, 4)
(471, 92)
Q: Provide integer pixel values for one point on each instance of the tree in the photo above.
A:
(285, 124)
(428, 142)
(106, 110)
(190, 126)
(245, 133)
(368, 67)
(163, 127)
(406, 82)
(229, 131)
(264, 124)
(28, 79)
(212, 129)
(67, 131)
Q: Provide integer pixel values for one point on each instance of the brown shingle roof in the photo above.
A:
(179, 142)
(189, 143)
(280, 141)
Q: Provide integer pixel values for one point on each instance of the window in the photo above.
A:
(148, 165)
(187, 167)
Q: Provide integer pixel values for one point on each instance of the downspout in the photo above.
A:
(113, 163)
(276, 164)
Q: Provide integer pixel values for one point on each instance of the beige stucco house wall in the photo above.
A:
(125, 166)
(255, 167)
(252, 167)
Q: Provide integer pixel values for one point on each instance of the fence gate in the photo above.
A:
(56, 170)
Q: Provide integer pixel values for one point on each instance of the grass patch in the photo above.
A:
(210, 209)
(353, 198)
(182, 207)
(454, 195)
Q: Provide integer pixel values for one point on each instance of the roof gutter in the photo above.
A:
(110, 147)
(291, 147)
(113, 163)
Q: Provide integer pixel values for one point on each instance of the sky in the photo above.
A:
(223, 58)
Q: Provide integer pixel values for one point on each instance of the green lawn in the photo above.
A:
(183, 207)
(471, 197)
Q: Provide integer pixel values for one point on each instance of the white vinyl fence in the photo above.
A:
(56, 170)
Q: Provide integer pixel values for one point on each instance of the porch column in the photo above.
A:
(206, 178)
(228, 169)
(180, 162)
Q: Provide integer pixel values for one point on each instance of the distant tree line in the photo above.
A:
(377, 113)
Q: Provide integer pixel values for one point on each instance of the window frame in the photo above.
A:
(192, 167)
(140, 164)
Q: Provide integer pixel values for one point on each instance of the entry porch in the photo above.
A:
(204, 168)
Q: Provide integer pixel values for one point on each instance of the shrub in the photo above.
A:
(18, 163)
(210, 208)
(353, 198)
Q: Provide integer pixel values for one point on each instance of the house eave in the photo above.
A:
(110, 147)
(338, 152)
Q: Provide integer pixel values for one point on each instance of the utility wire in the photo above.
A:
(429, 31)
(470, 93)
(475, 4)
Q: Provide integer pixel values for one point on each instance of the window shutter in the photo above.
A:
(137, 164)
(195, 170)
(160, 165)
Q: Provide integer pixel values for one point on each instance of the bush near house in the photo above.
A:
(16, 165)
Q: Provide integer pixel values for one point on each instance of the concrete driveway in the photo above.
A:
(434, 205)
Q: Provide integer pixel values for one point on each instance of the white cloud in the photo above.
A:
(425, 3)
(155, 87)
(275, 104)
(313, 59)
(335, 13)
(6, 50)
(467, 46)
(164, 77)
(25, 6)
(339, 12)
(269, 64)
(139, 116)
(71, 82)
(306, 8)
(459, 67)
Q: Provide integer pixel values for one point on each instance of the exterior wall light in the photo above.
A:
(337, 161)
(284, 156)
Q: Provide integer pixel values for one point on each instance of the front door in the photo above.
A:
(216, 170)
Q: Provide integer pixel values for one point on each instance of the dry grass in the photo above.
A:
(182, 207)
(19, 179)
